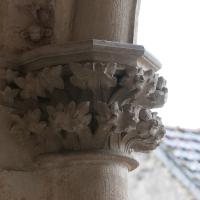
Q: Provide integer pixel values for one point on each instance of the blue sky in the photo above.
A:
(170, 30)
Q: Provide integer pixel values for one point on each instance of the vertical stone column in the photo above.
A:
(74, 113)
(29, 24)
(112, 20)
(88, 175)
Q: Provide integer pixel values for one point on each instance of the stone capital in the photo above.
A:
(84, 96)
(75, 98)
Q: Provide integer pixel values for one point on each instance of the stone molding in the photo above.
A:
(95, 50)
(62, 160)
(78, 100)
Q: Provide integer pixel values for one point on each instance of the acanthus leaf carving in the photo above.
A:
(71, 118)
(141, 88)
(47, 80)
(93, 75)
(144, 136)
(105, 116)
(30, 123)
(73, 121)
(120, 122)
(8, 95)
(28, 129)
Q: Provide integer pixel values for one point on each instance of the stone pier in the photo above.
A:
(76, 93)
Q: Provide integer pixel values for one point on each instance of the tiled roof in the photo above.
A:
(182, 148)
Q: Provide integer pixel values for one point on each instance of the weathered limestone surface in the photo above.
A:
(73, 114)
(27, 24)
(72, 100)
(74, 178)
(57, 102)
(150, 181)
(109, 20)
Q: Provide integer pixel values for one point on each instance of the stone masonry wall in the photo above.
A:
(153, 181)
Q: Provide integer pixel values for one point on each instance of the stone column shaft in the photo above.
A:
(111, 20)
(29, 24)
(89, 175)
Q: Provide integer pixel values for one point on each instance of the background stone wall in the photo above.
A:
(153, 181)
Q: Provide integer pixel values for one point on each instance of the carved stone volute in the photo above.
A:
(71, 101)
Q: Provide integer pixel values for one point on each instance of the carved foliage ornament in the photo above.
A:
(40, 30)
(84, 106)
